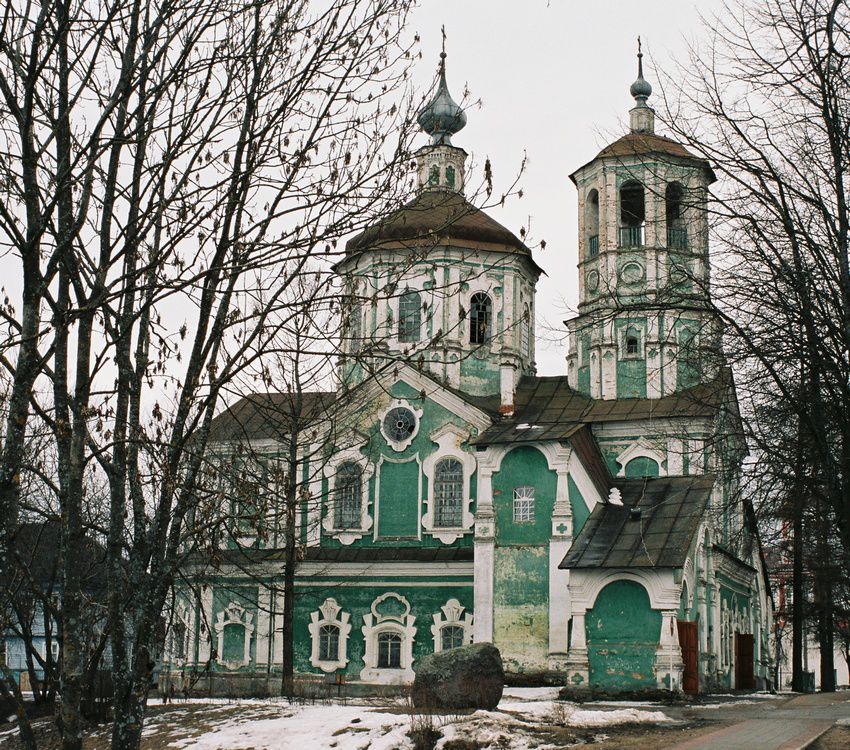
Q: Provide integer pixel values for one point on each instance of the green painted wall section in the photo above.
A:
(521, 613)
(425, 602)
(578, 506)
(398, 514)
(622, 635)
(631, 378)
(521, 576)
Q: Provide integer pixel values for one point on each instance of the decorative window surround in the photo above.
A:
(642, 449)
(181, 618)
(492, 345)
(234, 614)
(347, 536)
(448, 438)
(625, 334)
(451, 614)
(399, 445)
(377, 622)
(330, 613)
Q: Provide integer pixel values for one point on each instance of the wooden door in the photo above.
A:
(744, 652)
(689, 642)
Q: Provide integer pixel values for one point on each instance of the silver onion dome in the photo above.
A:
(442, 117)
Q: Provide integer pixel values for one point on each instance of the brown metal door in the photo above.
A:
(744, 651)
(688, 640)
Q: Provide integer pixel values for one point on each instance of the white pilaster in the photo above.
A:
(668, 655)
(205, 634)
(263, 619)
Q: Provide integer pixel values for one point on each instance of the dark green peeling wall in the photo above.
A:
(578, 506)
(622, 635)
(521, 579)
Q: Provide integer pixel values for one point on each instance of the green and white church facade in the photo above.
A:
(587, 524)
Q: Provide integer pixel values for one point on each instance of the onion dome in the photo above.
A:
(442, 117)
(641, 88)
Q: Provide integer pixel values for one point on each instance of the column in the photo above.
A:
(559, 580)
(205, 627)
(263, 619)
(668, 656)
(485, 547)
(578, 668)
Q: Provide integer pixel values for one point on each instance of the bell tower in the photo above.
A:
(643, 328)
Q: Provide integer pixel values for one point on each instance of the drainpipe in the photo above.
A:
(508, 389)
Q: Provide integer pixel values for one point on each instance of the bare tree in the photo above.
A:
(765, 100)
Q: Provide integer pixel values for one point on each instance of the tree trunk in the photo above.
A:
(797, 609)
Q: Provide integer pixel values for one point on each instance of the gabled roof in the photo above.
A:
(646, 144)
(261, 416)
(434, 217)
(546, 408)
(671, 512)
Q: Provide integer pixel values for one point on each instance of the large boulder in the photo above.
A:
(462, 678)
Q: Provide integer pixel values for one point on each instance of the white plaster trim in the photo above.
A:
(347, 536)
(452, 613)
(661, 586)
(329, 613)
(448, 439)
(234, 614)
(401, 403)
(376, 623)
(182, 615)
(642, 449)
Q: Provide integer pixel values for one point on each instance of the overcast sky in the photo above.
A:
(553, 78)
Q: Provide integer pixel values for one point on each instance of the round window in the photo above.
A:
(593, 280)
(399, 424)
(631, 273)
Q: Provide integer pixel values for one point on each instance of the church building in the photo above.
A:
(588, 524)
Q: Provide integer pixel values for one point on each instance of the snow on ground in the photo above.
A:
(267, 725)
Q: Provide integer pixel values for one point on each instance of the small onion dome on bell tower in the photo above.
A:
(642, 116)
(440, 165)
(442, 117)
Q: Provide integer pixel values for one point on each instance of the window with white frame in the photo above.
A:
(329, 643)
(452, 636)
(409, 316)
(389, 650)
(524, 505)
(448, 493)
(480, 318)
(348, 495)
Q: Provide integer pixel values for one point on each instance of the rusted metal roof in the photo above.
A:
(435, 217)
(260, 416)
(671, 510)
(546, 408)
(646, 144)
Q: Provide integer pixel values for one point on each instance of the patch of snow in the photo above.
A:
(532, 693)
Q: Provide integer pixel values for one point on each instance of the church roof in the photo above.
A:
(433, 217)
(645, 144)
(546, 408)
(660, 537)
(261, 416)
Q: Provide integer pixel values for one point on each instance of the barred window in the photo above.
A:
(451, 636)
(448, 493)
(389, 651)
(409, 316)
(348, 495)
(480, 318)
(329, 643)
(355, 328)
(524, 505)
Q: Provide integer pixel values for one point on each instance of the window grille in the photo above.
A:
(448, 493)
(524, 505)
(451, 636)
(348, 495)
(329, 643)
(480, 318)
(399, 424)
(389, 651)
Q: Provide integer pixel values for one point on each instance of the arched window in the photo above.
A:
(329, 643)
(632, 345)
(451, 636)
(389, 651)
(591, 222)
(354, 328)
(525, 332)
(233, 642)
(632, 214)
(641, 466)
(448, 493)
(409, 308)
(434, 175)
(677, 233)
(348, 496)
(178, 636)
(480, 318)
(524, 505)
(450, 176)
